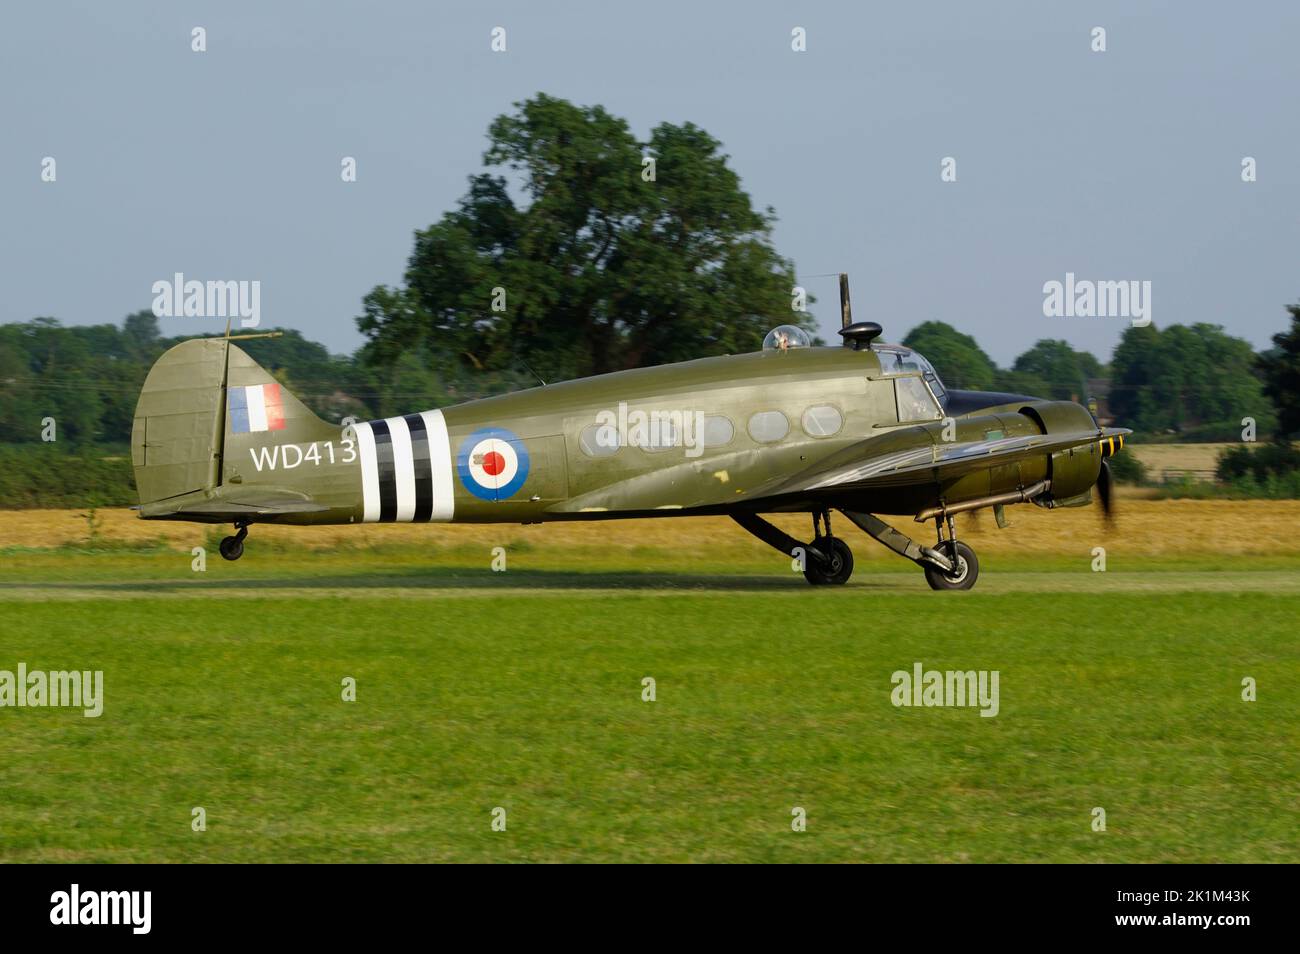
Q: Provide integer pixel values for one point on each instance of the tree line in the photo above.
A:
(1182, 382)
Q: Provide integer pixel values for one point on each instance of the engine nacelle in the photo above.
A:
(1073, 472)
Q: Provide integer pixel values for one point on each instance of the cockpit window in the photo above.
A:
(898, 360)
(915, 403)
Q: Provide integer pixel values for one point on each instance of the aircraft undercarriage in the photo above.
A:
(827, 560)
(232, 548)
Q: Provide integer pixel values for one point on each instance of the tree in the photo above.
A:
(140, 336)
(21, 407)
(598, 267)
(1061, 372)
(961, 362)
(1280, 367)
(1189, 380)
(58, 362)
(1021, 382)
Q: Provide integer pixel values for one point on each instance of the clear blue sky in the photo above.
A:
(225, 164)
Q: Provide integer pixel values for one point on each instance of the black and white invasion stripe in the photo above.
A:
(406, 469)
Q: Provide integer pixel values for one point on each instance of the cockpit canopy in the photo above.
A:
(786, 338)
(896, 359)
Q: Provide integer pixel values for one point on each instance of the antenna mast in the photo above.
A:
(846, 306)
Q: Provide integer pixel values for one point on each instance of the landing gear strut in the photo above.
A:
(827, 559)
(949, 565)
(836, 565)
(232, 548)
(965, 566)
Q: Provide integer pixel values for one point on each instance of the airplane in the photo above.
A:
(865, 428)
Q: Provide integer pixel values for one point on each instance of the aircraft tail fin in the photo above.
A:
(202, 400)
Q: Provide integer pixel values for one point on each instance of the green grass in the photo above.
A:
(523, 690)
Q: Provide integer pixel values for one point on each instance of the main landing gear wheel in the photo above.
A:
(838, 565)
(232, 548)
(967, 569)
(835, 570)
(826, 560)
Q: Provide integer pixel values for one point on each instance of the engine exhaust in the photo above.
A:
(1015, 496)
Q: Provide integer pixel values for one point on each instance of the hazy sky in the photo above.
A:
(1122, 165)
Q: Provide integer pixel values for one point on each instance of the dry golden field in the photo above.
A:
(1160, 457)
(1143, 527)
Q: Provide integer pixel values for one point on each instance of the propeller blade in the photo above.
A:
(1103, 489)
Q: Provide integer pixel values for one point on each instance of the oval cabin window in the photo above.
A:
(767, 427)
(717, 431)
(822, 421)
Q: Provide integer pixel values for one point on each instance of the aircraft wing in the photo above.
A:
(933, 461)
(707, 483)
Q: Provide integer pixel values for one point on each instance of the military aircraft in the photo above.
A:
(865, 428)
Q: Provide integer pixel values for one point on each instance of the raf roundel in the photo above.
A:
(492, 463)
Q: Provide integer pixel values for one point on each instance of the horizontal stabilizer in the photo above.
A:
(230, 503)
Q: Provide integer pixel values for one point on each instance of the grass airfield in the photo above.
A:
(522, 690)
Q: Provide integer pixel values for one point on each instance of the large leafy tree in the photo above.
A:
(961, 362)
(593, 264)
(1280, 366)
(1057, 369)
(1186, 379)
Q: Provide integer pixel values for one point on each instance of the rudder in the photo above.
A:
(176, 436)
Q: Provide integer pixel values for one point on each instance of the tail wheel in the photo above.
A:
(963, 577)
(836, 570)
(232, 548)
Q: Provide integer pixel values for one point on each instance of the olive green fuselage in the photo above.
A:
(827, 400)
